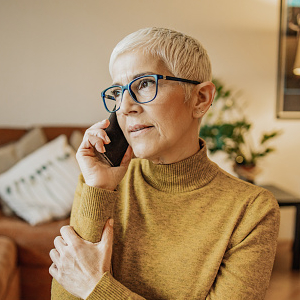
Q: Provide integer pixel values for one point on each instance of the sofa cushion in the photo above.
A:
(31, 141)
(8, 157)
(13, 152)
(76, 139)
(41, 186)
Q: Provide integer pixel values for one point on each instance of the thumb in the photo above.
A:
(127, 158)
(106, 245)
(108, 233)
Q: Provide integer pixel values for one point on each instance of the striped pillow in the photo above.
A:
(41, 186)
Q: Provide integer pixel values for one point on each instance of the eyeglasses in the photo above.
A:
(142, 90)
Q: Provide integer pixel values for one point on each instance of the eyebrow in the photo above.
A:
(136, 76)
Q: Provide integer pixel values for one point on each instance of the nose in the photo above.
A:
(128, 105)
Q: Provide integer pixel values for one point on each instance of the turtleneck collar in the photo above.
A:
(189, 174)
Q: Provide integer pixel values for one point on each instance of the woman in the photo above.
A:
(176, 226)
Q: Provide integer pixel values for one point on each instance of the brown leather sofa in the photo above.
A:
(32, 243)
(9, 270)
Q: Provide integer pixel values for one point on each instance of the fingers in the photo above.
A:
(98, 133)
(100, 125)
(59, 243)
(69, 236)
(53, 271)
(96, 137)
(54, 255)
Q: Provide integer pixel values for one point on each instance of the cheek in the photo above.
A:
(174, 116)
(169, 126)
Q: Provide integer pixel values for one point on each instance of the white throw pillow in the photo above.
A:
(41, 186)
(10, 154)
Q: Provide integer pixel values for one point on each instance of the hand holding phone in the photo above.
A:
(96, 155)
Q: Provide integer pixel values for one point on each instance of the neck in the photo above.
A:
(182, 176)
(180, 154)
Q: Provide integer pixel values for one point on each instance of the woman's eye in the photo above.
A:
(116, 93)
(146, 83)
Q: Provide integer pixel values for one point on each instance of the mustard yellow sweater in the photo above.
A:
(187, 230)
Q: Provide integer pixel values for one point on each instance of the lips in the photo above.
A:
(138, 127)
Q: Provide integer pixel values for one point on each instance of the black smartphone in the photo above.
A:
(116, 149)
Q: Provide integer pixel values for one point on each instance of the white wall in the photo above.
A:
(54, 63)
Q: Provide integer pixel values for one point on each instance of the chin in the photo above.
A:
(139, 154)
(142, 152)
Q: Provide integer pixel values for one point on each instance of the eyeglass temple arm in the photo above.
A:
(180, 79)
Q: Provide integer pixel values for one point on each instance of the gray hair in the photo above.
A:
(183, 55)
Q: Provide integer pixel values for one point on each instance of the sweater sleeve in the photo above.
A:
(92, 207)
(109, 288)
(247, 264)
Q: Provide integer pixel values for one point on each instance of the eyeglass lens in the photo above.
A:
(142, 90)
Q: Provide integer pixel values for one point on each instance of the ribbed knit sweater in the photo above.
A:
(186, 230)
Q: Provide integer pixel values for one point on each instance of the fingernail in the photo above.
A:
(107, 139)
(111, 222)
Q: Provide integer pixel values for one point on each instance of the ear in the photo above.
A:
(203, 96)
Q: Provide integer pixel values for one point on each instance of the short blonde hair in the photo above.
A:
(183, 55)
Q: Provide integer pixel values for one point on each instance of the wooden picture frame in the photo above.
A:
(288, 84)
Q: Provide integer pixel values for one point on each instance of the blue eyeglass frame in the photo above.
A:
(133, 96)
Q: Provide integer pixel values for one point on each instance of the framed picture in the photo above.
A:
(288, 83)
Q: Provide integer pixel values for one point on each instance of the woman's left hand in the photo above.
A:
(78, 265)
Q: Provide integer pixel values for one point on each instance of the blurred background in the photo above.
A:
(54, 63)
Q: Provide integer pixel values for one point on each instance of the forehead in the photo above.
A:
(128, 65)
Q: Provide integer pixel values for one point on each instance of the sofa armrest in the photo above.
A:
(9, 273)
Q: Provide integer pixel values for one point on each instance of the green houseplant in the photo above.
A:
(225, 128)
